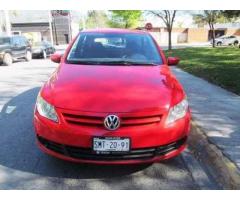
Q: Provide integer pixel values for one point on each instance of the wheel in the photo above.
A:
(235, 43)
(219, 44)
(7, 59)
(28, 56)
(44, 55)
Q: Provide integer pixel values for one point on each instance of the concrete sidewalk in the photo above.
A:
(216, 111)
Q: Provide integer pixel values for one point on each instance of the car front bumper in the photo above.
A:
(36, 54)
(149, 143)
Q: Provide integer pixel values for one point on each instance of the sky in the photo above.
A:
(183, 18)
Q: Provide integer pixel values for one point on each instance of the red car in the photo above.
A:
(112, 100)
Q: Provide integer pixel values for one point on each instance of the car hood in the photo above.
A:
(3, 47)
(112, 88)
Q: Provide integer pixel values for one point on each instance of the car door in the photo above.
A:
(22, 46)
(232, 39)
(229, 40)
(15, 47)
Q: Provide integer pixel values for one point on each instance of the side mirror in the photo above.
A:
(173, 60)
(56, 57)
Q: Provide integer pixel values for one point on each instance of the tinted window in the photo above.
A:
(23, 41)
(4, 41)
(45, 43)
(38, 44)
(111, 47)
(42, 43)
(16, 41)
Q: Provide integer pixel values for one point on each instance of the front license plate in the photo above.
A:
(111, 144)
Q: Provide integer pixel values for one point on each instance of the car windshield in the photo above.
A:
(114, 49)
(4, 40)
(38, 44)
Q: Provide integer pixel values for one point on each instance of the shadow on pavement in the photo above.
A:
(24, 166)
(18, 149)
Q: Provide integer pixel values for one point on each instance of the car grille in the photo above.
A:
(88, 120)
(89, 154)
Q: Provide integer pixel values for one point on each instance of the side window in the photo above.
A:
(22, 41)
(16, 41)
(46, 43)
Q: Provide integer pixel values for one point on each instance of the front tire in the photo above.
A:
(28, 56)
(7, 59)
(219, 44)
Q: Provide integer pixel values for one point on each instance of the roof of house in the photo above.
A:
(29, 16)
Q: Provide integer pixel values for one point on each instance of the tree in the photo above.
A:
(96, 19)
(168, 17)
(210, 17)
(125, 18)
(232, 14)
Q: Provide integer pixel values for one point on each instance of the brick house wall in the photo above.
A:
(233, 32)
(197, 35)
(189, 35)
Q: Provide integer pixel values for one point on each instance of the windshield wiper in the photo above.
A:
(111, 62)
(84, 62)
(128, 63)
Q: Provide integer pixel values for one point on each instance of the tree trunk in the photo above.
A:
(211, 26)
(169, 39)
(213, 35)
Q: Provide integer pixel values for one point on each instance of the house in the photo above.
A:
(37, 25)
(193, 34)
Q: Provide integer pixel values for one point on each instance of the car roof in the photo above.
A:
(229, 35)
(114, 30)
(4, 36)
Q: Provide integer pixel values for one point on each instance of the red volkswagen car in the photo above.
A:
(112, 100)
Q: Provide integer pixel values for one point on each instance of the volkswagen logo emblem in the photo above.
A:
(111, 122)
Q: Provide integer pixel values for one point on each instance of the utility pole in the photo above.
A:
(55, 29)
(7, 23)
(50, 26)
(70, 25)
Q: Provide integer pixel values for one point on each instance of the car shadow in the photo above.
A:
(18, 149)
(23, 165)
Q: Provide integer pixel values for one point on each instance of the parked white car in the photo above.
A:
(227, 40)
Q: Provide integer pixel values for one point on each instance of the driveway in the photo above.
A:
(24, 166)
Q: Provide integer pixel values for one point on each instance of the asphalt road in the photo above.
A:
(24, 166)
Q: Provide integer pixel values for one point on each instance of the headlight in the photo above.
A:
(177, 112)
(45, 109)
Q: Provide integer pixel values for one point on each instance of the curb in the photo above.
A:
(224, 171)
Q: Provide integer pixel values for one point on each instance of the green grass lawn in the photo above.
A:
(217, 65)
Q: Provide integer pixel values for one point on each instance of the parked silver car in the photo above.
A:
(227, 40)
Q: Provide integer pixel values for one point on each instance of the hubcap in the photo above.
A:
(44, 54)
(8, 58)
(29, 55)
